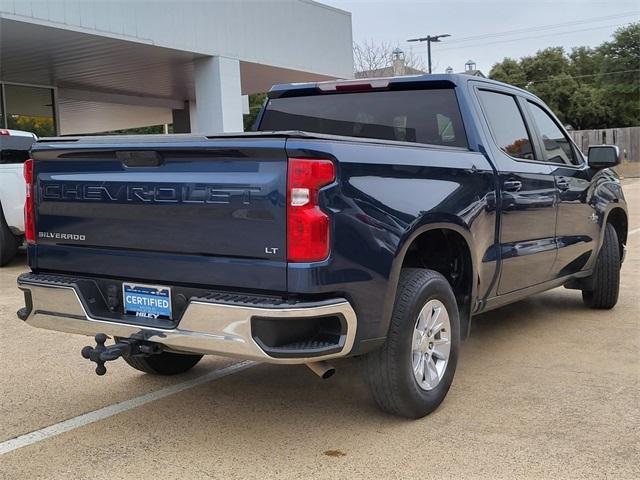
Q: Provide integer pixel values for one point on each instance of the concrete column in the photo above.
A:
(193, 116)
(218, 95)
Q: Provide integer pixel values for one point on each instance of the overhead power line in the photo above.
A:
(590, 75)
(543, 27)
(531, 37)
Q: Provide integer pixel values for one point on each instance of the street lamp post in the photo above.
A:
(429, 39)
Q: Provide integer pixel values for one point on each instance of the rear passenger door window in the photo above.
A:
(507, 124)
(556, 146)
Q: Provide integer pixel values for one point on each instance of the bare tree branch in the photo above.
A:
(369, 56)
(413, 60)
(373, 58)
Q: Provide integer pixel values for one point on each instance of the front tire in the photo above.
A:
(606, 276)
(8, 242)
(411, 373)
(165, 363)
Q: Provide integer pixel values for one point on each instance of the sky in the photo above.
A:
(540, 24)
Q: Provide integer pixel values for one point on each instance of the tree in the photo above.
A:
(256, 101)
(371, 57)
(584, 64)
(41, 126)
(587, 108)
(509, 71)
(151, 130)
(587, 88)
(545, 64)
(620, 78)
(557, 92)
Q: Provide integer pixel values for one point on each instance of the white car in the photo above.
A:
(14, 150)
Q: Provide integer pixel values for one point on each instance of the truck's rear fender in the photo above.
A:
(607, 198)
(385, 197)
(412, 254)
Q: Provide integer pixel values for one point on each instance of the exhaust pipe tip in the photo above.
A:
(323, 369)
(328, 373)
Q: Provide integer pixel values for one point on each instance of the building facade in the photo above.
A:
(76, 67)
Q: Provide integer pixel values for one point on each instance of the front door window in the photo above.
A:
(557, 147)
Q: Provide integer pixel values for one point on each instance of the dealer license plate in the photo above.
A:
(149, 301)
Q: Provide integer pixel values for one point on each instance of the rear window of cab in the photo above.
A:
(424, 116)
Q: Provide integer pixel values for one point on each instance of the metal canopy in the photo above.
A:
(35, 54)
(41, 55)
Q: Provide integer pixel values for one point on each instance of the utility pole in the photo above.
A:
(429, 39)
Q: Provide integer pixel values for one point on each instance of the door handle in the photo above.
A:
(512, 186)
(562, 183)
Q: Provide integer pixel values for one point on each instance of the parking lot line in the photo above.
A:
(634, 231)
(110, 410)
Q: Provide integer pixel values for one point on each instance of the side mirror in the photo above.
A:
(603, 156)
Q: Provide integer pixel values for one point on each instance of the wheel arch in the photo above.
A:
(459, 241)
(618, 219)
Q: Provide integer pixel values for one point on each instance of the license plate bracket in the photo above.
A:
(148, 301)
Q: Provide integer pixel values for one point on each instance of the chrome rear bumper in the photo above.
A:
(206, 327)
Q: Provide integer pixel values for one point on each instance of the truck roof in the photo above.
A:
(16, 139)
(360, 84)
(6, 132)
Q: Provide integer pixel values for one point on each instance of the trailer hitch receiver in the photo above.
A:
(101, 353)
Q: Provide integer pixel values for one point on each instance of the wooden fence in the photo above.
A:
(627, 139)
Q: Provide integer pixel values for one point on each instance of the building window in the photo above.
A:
(30, 109)
(2, 123)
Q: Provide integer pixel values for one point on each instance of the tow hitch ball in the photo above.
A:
(100, 354)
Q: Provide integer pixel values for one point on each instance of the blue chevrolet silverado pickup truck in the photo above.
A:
(368, 218)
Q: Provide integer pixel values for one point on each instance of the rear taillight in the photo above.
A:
(308, 227)
(29, 208)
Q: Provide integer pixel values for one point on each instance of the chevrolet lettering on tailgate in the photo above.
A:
(159, 193)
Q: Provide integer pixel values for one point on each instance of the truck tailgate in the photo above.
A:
(200, 212)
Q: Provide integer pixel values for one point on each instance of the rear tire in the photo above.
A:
(165, 363)
(393, 371)
(8, 242)
(606, 276)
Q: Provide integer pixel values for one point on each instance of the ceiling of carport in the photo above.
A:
(36, 54)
